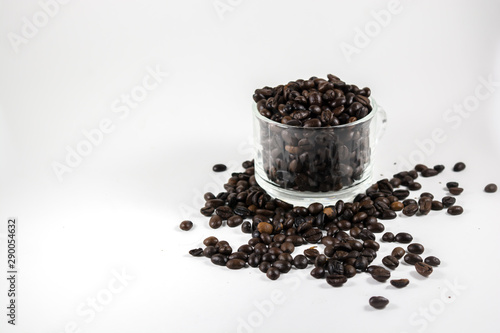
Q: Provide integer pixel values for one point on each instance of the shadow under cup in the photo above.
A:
(323, 164)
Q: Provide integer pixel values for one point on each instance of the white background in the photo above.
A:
(119, 209)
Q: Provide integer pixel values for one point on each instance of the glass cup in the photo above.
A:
(322, 164)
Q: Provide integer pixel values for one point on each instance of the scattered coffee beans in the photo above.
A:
(455, 210)
(433, 261)
(456, 190)
(403, 237)
(423, 269)
(398, 252)
(381, 274)
(416, 248)
(378, 302)
(412, 258)
(186, 225)
(390, 262)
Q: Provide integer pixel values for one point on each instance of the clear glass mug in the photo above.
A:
(322, 164)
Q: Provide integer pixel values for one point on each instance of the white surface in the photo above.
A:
(120, 208)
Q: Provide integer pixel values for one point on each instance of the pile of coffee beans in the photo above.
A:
(314, 103)
(300, 156)
(347, 230)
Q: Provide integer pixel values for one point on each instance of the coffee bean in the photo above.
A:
(376, 227)
(207, 211)
(209, 251)
(313, 235)
(318, 272)
(459, 167)
(403, 237)
(300, 261)
(433, 261)
(423, 269)
(425, 205)
(397, 206)
(287, 247)
(349, 271)
(414, 186)
(235, 264)
(490, 188)
(336, 280)
(265, 227)
(234, 221)
(283, 266)
(273, 273)
(215, 222)
(437, 205)
(381, 274)
(378, 302)
(398, 252)
(238, 255)
(388, 237)
(455, 210)
(456, 190)
(335, 267)
(264, 266)
(411, 209)
(451, 184)
(390, 261)
(448, 201)
(427, 195)
(412, 258)
(186, 225)
(246, 227)
(219, 259)
(400, 283)
(254, 260)
(224, 212)
(408, 202)
(286, 257)
(415, 248)
(420, 167)
(401, 194)
(429, 173)
(371, 268)
(219, 168)
(210, 241)
(196, 252)
(439, 168)
(320, 260)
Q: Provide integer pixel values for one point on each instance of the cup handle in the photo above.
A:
(381, 122)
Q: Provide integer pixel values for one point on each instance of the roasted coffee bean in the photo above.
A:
(388, 237)
(320, 260)
(401, 194)
(388, 215)
(335, 267)
(210, 241)
(371, 244)
(283, 266)
(215, 222)
(196, 252)
(269, 257)
(455, 210)
(390, 262)
(408, 202)
(315, 208)
(311, 253)
(300, 261)
(370, 268)
(411, 209)
(397, 206)
(264, 266)
(429, 173)
(265, 227)
(414, 186)
(273, 273)
(490, 188)
(336, 280)
(207, 211)
(243, 211)
(381, 274)
(349, 270)
(403, 237)
(219, 168)
(415, 248)
(427, 195)
(224, 212)
(400, 283)
(287, 247)
(286, 257)
(433, 261)
(378, 302)
(412, 258)
(456, 190)
(313, 235)
(459, 167)
(186, 225)
(361, 263)
(209, 251)
(238, 255)
(235, 263)
(395, 182)
(234, 221)
(448, 201)
(246, 227)
(423, 269)
(439, 168)
(420, 167)
(452, 184)
(437, 205)
(208, 196)
(398, 252)
(425, 205)
(219, 259)
(224, 249)
(376, 227)
(318, 272)
(254, 260)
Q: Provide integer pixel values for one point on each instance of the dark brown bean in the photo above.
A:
(456, 190)
(390, 262)
(273, 273)
(398, 252)
(423, 269)
(412, 258)
(490, 188)
(186, 225)
(196, 252)
(336, 280)
(416, 248)
(378, 302)
(459, 167)
(455, 210)
(381, 274)
(400, 283)
(433, 261)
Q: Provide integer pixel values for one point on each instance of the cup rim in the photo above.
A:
(357, 122)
